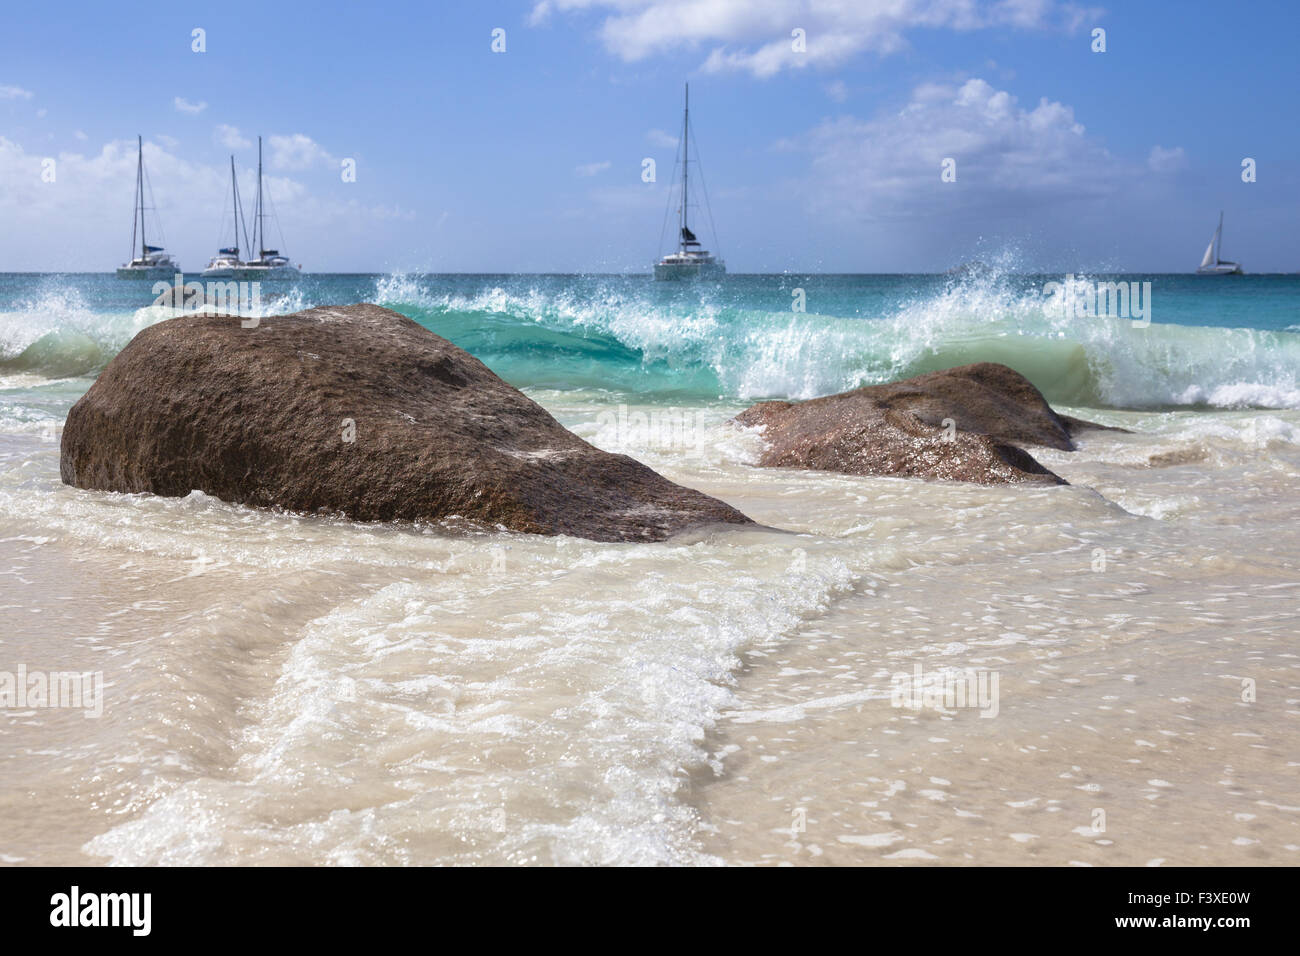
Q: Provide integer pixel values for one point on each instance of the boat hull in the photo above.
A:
(146, 272)
(247, 274)
(685, 271)
(1225, 269)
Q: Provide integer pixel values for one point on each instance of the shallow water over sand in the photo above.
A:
(281, 689)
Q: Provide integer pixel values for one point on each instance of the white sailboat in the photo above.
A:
(153, 262)
(1211, 264)
(226, 264)
(269, 264)
(690, 261)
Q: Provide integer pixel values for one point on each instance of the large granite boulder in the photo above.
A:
(355, 410)
(899, 428)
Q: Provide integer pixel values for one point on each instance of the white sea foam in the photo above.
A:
(637, 663)
(1084, 360)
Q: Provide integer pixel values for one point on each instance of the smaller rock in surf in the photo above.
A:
(959, 424)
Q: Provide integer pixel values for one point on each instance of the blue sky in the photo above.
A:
(530, 160)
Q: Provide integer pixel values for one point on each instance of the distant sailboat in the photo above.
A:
(226, 263)
(1211, 264)
(153, 262)
(269, 264)
(690, 261)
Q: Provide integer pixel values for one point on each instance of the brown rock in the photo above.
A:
(259, 416)
(897, 429)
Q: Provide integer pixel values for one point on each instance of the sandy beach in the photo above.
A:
(280, 688)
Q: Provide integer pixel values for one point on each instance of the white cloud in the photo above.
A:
(591, 169)
(837, 91)
(84, 204)
(79, 135)
(15, 93)
(1163, 160)
(82, 219)
(541, 12)
(297, 152)
(755, 35)
(1076, 16)
(42, 113)
(657, 137)
(230, 137)
(185, 106)
(1007, 157)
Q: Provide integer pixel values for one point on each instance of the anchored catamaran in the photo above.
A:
(269, 264)
(1211, 264)
(690, 261)
(226, 264)
(153, 262)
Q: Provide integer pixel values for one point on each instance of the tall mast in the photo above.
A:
(259, 229)
(686, 165)
(139, 195)
(1218, 240)
(234, 203)
(235, 212)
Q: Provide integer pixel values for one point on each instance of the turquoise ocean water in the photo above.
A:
(1231, 342)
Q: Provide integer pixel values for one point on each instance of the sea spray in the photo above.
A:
(613, 333)
(1077, 299)
(1215, 344)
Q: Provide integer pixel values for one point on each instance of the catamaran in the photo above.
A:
(1211, 264)
(269, 264)
(690, 261)
(153, 262)
(226, 264)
